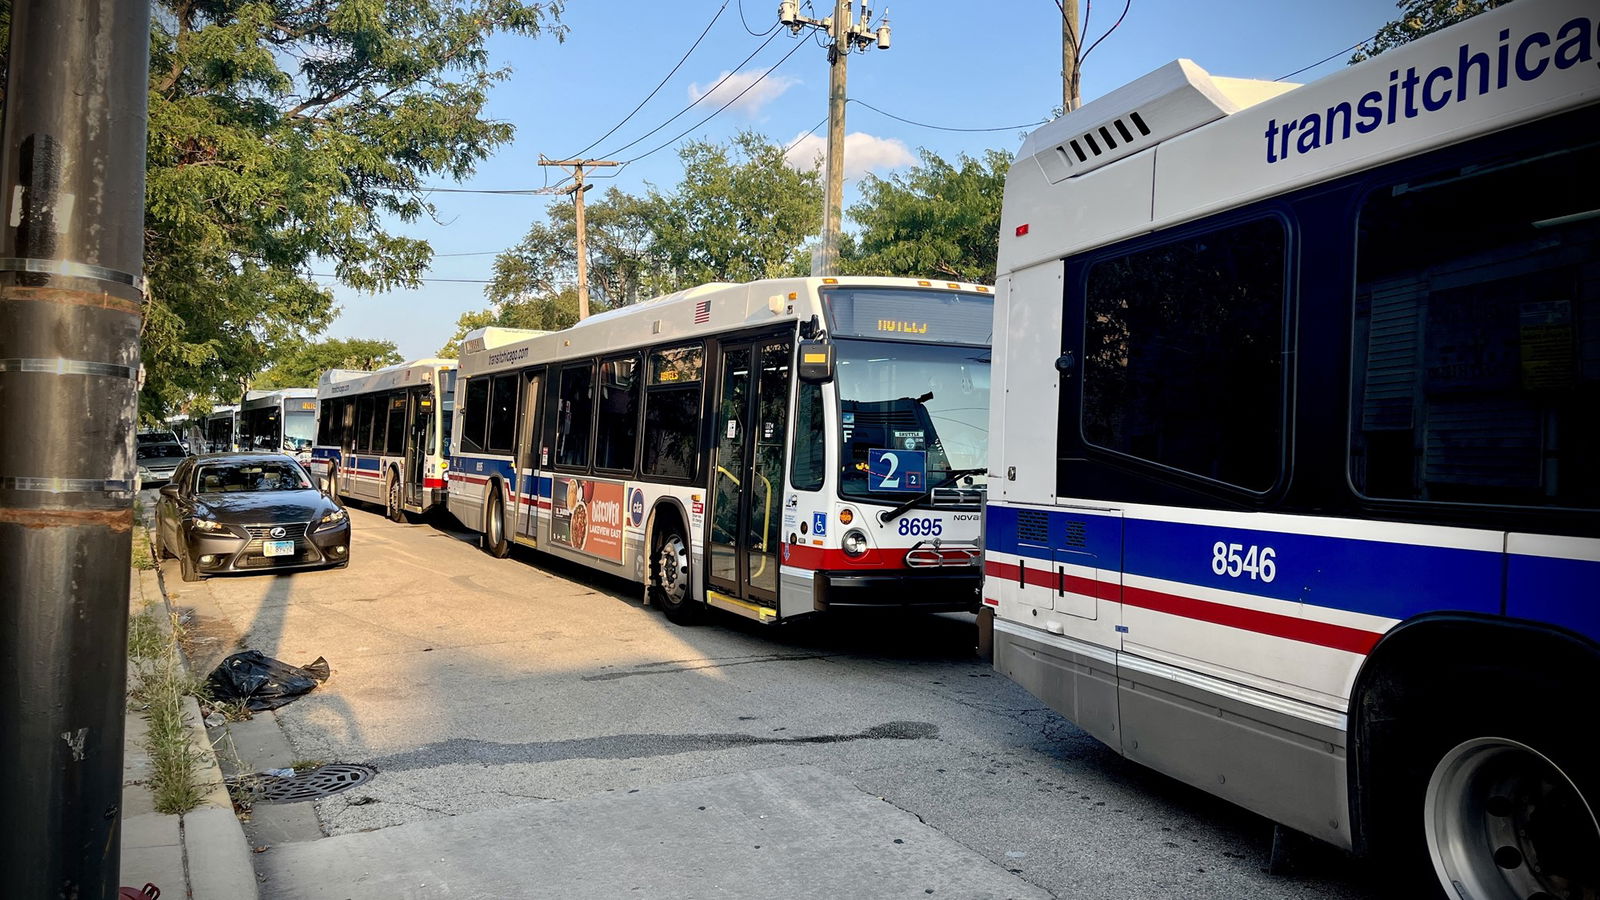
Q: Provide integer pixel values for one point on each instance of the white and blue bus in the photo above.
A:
(771, 449)
(221, 429)
(382, 436)
(281, 421)
(1297, 439)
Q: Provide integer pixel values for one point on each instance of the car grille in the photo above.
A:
(294, 531)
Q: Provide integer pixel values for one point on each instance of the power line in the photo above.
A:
(475, 253)
(1323, 60)
(1115, 25)
(663, 81)
(943, 127)
(735, 99)
(636, 141)
(806, 135)
(423, 280)
(775, 25)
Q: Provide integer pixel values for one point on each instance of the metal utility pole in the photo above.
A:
(71, 252)
(577, 191)
(844, 35)
(1071, 99)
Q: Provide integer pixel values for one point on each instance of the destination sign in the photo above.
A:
(915, 314)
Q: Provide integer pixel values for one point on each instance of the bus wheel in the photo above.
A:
(494, 530)
(1503, 819)
(391, 506)
(669, 577)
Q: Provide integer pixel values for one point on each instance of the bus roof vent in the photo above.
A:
(1178, 97)
(334, 376)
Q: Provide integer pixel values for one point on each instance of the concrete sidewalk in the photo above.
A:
(200, 854)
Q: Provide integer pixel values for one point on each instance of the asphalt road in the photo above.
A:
(501, 699)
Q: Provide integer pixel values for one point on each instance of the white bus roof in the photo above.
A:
(685, 315)
(1201, 143)
(263, 399)
(349, 382)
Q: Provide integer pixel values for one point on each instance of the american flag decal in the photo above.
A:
(702, 312)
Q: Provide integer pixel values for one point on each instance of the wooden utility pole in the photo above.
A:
(1071, 99)
(844, 35)
(71, 299)
(577, 191)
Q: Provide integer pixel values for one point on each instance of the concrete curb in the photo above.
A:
(217, 859)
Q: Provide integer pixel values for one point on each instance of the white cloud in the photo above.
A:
(771, 88)
(863, 153)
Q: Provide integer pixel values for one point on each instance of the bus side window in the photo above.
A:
(502, 413)
(364, 419)
(476, 415)
(810, 453)
(347, 424)
(574, 418)
(617, 436)
(672, 417)
(395, 440)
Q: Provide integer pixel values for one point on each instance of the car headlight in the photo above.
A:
(207, 525)
(331, 519)
(854, 543)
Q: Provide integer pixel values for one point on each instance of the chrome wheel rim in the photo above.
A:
(672, 566)
(496, 518)
(394, 497)
(1504, 821)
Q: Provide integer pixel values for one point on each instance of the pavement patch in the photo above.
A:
(772, 833)
(627, 746)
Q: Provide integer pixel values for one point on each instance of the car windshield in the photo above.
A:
(907, 396)
(234, 477)
(157, 437)
(167, 450)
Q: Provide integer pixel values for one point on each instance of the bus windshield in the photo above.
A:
(299, 429)
(911, 396)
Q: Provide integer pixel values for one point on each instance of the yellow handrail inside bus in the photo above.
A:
(766, 523)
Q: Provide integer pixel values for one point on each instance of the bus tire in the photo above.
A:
(494, 528)
(392, 508)
(670, 584)
(186, 568)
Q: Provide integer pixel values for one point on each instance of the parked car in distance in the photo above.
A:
(159, 453)
(248, 512)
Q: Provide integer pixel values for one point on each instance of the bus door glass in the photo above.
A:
(418, 440)
(528, 461)
(747, 469)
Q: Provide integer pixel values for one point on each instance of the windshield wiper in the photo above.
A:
(952, 475)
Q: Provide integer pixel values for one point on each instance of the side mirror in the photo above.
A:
(170, 491)
(816, 362)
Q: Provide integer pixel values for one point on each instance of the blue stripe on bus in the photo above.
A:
(1377, 578)
(1564, 592)
(480, 467)
(367, 463)
(324, 452)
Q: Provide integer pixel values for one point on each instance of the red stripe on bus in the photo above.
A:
(1305, 631)
(433, 482)
(802, 556)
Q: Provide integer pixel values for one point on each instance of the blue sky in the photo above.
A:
(954, 63)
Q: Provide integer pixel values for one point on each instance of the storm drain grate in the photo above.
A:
(315, 784)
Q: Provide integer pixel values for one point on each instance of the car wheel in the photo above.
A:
(186, 568)
(669, 577)
(392, 507)
(494, 530)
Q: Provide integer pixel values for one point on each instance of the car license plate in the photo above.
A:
(278, 548)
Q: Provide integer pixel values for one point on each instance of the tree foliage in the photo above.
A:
(284, 138)
(1419, 18)
(937, 219)
(739, 214)
(302, 366)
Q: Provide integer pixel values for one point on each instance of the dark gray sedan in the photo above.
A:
(248, 512)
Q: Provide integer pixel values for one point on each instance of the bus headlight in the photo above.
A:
(854, 543)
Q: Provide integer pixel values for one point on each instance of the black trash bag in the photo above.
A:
(261, 682)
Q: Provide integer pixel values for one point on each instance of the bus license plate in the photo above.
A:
(278, 548)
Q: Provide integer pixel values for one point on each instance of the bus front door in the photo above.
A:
(747, 470)
(528, 462)
(418, 440)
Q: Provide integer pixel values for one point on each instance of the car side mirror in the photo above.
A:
(170, 491)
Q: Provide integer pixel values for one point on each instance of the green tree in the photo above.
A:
(303, 365)
(1421, 17)
(287, 137)
(740, 213)
(937, 219)
(551, 313)
(620, 229)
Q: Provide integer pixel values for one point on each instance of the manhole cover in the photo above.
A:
(311, 785)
